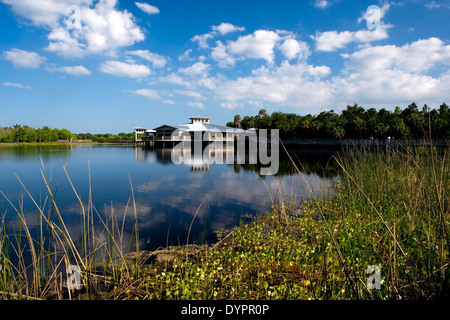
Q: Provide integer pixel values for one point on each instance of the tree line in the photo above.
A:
(354, 122)
(19, 133)
(23, 133)
(105, 136)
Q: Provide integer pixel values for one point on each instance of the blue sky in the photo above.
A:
(108, 66)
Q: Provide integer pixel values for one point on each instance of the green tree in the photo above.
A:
(237, 121)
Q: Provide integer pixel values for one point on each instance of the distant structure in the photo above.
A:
(200, 120)
(200, 127)
(141, 130)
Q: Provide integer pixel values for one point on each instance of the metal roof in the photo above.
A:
(192, 127)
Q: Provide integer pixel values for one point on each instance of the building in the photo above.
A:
(199, 128)
(141, 130)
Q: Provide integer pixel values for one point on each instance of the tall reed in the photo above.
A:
(36, 268)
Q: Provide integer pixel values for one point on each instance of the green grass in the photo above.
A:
(390, 209)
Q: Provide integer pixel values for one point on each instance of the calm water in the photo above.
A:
(167, 195)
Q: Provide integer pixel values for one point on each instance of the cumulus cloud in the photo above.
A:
(322, 4)
(296, 85)
(292, 48)
(258, 45)
(202, 39)
(329, 41)
(198, 105)
(196, 69)
(46, 13)
(157, 60)
(416, 57)
(372, 75)
(16, 85)
(149, 9)
(24, 59)
(368, 14)
(395, 74)
(72, 70)
(189, 93)
(174, 78)
(332, 40)
(225, 28)
(220, 54)
(122, 69)
(149, 93)
(222, 29)
(99, 29)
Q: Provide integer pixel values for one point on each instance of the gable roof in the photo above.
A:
(174, 126)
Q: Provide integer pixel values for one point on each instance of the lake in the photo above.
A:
(169, 199)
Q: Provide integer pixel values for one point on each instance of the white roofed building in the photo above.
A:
(199, 128)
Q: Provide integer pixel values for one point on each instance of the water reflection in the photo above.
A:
(31, 152)
(167, 196)
(308, 161)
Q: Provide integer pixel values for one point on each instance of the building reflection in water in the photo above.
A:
(198, 161)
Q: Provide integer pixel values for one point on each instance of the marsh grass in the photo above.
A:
(34, 263)
(389, 209)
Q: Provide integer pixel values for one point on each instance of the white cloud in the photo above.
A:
(395, 74)
(202, 39)
(295, 85)
(186, 55)
(225, 28)
(219, 53)
(372, 76)
(175, 79)
(196, 69)
(198, 105)
(46, 13)
(329, 41)
(24, 59)
(73, 70)
(157, 60)
(367, 14)
(62, 42)
(149, 93)
(417, 57)
(231, 105)
(292, 48)
(189, 93)
(99, 29)
(122, 69)
(258, 45)
(222, 29)
(332, 40)
(149, 9)
(322, 4)
(389, 86)
(16, 85)
(432, 5)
